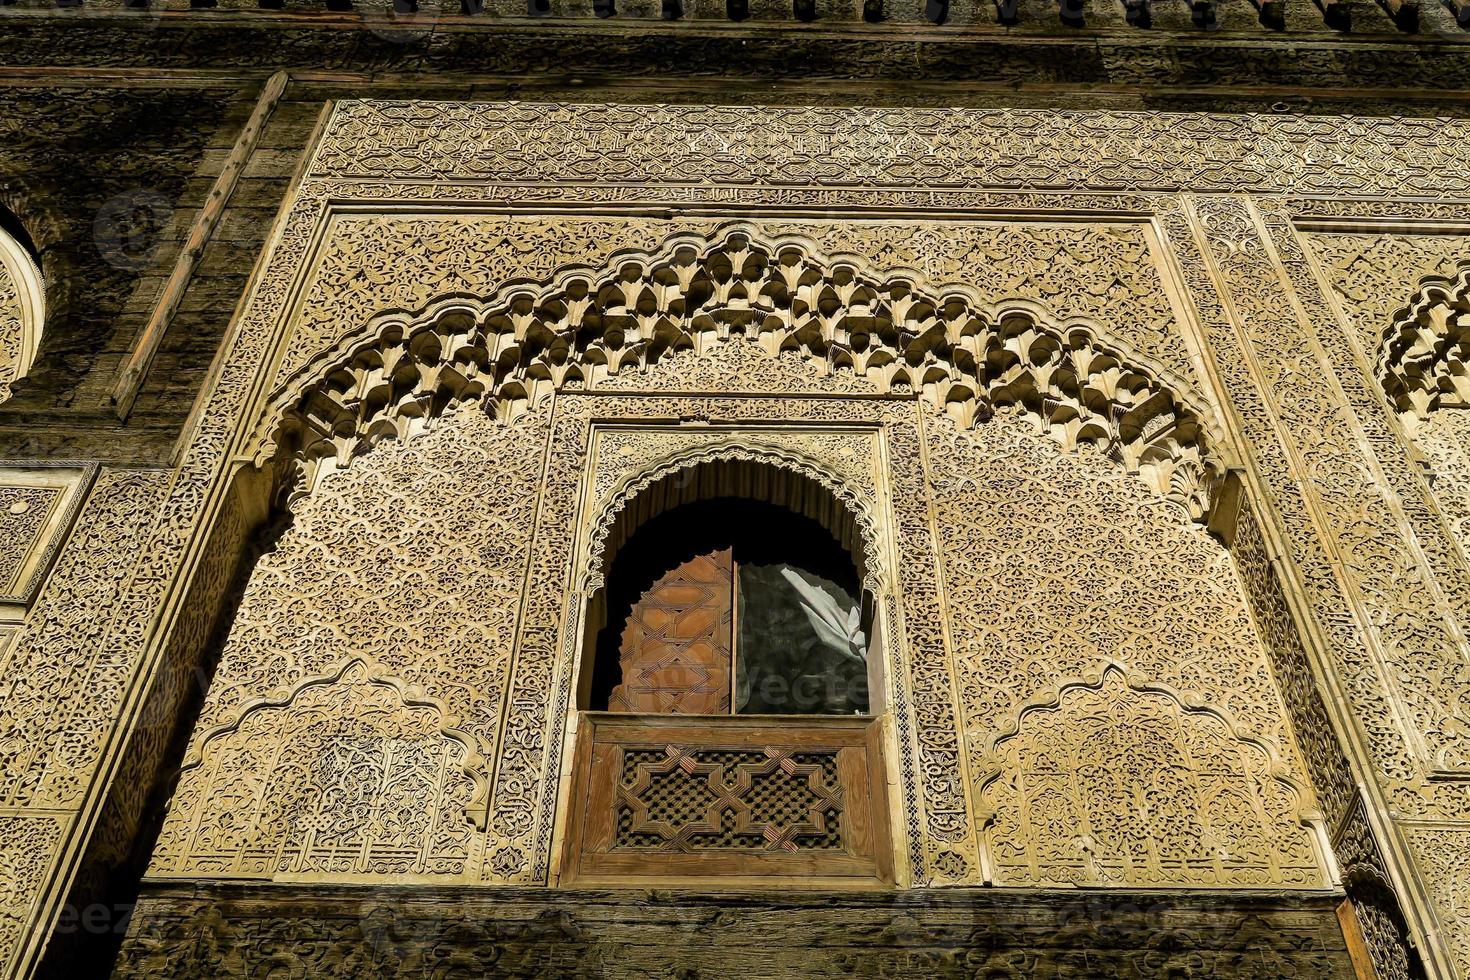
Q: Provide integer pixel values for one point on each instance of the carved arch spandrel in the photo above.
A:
(350, 773)
(1081, 768)
(961, 353)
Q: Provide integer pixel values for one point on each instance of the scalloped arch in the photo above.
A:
(1424, 360)
(876, 577)
(964, 356)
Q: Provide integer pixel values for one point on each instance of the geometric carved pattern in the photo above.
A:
(727, 796)
(1113, 785)
(1425, 358)
(581, 326)
(685, 799)
(349, 774)
(675, 652)
(790, 469)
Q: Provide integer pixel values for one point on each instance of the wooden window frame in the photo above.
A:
(592, 858)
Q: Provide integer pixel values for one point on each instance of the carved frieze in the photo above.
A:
(241, 930)
(1099, 150)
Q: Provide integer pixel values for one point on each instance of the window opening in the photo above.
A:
(733, 606)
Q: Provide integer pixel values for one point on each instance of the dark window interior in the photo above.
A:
(795, 624)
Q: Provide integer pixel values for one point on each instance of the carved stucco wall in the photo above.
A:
(282, 639)
(1062, 568)
(412, 564)
(68, 641)
(363, 577)
(1373, 278)
(1370, 592)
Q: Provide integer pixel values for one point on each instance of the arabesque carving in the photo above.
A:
(23, 516)
(369, 549)
(347, 774)
(858, 503)
(1119, 783)
(967, 358)
(1026, 610)
(26, 845)
(96, 625)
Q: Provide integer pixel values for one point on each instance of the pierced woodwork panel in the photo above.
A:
(688, 800)
(661, 797)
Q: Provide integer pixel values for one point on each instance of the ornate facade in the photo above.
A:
(1143, 419)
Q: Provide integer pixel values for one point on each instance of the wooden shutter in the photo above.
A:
(676, 647)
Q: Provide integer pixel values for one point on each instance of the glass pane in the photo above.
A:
(801, 648)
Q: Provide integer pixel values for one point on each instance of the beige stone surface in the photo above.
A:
(1169, 561)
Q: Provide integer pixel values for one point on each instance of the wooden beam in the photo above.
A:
(125, 392)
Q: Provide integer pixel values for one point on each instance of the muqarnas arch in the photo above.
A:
(463, 387)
